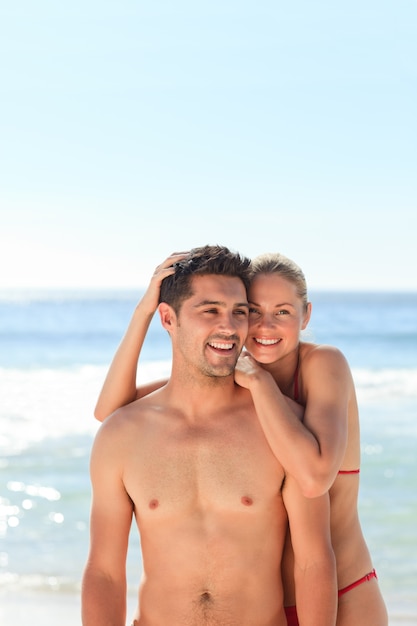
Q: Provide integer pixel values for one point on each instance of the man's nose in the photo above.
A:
(229, 322)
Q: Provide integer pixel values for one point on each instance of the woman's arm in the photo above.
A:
(310, 449)
(314, 561)
(119, 387)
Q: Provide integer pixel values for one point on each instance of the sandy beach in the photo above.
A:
(41, 609)
(44, 609)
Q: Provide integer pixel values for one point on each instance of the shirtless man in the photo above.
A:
(191, 463)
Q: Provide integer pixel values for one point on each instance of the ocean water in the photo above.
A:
(54, 352)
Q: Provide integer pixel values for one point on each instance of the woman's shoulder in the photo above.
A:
(322, 365)
(320, 354)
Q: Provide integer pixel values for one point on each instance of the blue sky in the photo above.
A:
(131, 129)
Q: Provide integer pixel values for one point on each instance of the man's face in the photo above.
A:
(212, 325)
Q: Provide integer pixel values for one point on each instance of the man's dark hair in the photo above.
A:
(201, 262)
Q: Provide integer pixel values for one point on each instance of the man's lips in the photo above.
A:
(222, 345)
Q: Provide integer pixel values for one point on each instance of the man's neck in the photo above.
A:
(201, 395)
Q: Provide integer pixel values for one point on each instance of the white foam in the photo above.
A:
(42, 403)
(385, 384)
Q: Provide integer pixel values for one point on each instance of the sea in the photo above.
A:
(55, 348)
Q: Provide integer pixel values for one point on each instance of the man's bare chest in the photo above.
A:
(203, 467)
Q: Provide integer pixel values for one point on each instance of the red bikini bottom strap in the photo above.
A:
(291, 615)
(364, 579)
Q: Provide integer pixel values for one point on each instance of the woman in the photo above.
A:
(322, 450)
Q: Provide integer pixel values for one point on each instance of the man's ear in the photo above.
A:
(167, 316)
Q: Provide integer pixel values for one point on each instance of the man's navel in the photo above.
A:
(206, 597)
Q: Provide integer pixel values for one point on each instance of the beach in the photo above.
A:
(54, 353)
(44, 609)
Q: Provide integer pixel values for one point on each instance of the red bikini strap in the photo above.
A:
(364, 579)
(296, 380)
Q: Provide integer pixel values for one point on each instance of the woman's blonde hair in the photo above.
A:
(276, 263)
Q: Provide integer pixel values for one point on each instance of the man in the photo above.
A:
(191, 463)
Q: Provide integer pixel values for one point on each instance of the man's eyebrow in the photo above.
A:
(219, 303)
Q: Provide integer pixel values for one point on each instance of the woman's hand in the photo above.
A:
(247, 370)
(150, 298)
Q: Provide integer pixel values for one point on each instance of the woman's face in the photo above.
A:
(276, 317)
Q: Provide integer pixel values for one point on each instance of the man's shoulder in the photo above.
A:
(131, 415)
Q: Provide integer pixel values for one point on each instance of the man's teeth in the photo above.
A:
(221, 346)
(267, 342)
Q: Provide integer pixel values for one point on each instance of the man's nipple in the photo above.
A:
(246, 501)
(153, 504)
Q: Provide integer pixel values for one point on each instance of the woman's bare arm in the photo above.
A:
(310, 449)
(119, 387)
